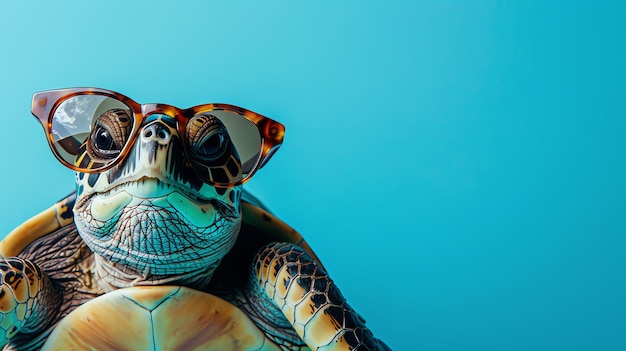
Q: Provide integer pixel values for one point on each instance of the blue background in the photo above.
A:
(458, 166)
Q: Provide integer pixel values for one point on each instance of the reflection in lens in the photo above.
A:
(75, 120)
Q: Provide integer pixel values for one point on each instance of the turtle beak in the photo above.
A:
(157, 152)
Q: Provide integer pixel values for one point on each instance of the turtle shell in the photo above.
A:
(140, 318)
(154, 317)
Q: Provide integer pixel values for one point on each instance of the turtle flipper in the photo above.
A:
(302, 290)
(27, 298)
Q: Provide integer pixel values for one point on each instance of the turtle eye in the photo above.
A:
(103, 145)
(103, 140)
(208, 139)
(109, 135)
(212, 151)
(212, 146)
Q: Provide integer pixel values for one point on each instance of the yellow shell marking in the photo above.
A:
(140, 318)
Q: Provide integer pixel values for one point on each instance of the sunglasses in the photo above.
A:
(90, 130)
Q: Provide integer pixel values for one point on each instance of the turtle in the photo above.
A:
(160, 247)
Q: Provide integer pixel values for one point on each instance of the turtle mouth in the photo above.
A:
(106, 204)
(156, 227)
(149, 186)
(152, 187)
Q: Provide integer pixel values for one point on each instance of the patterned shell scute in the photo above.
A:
(140, 318)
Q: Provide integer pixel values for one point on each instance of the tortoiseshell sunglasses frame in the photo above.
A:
(45, 103)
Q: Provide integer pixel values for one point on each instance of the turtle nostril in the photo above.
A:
(156, 132)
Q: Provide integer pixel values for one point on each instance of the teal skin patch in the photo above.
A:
(201, 215)
(105, 208)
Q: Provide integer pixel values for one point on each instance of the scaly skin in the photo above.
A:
(27, 298)
(303, 295)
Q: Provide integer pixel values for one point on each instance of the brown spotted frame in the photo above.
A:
(45, 103)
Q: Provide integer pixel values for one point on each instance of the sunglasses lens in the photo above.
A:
(90, 131)
(224, 146)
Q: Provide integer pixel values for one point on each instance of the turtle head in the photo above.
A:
(152, 219)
